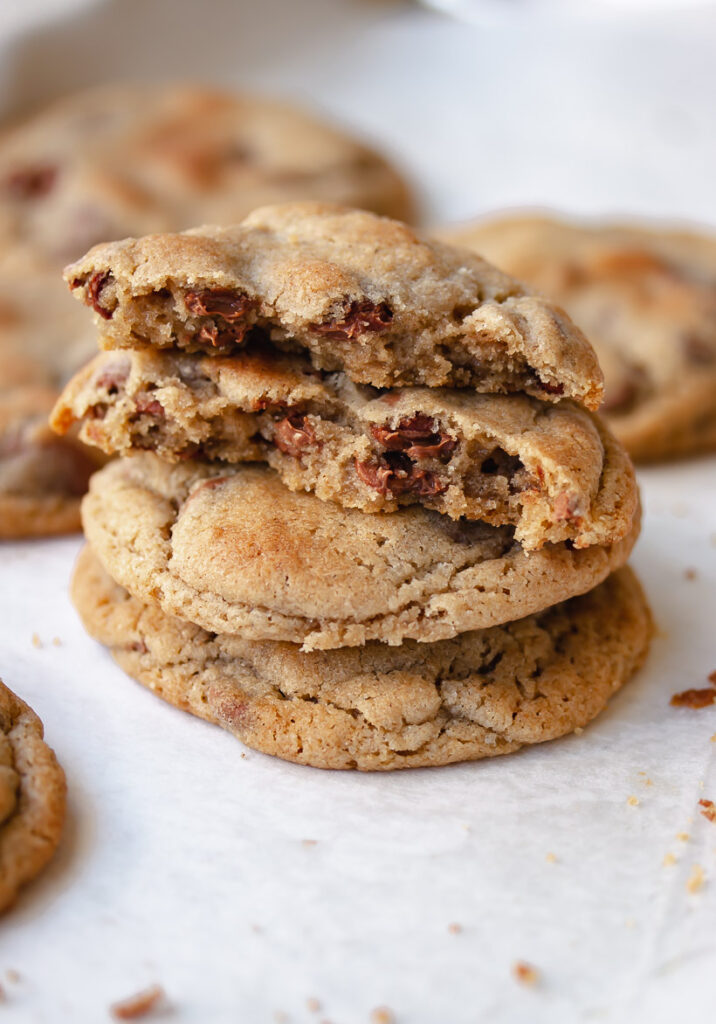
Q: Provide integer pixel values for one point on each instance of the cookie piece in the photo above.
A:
(362, 294)
(122, 160)
(379, 708)
(228, 547)
(32, 797)
(647, 301)
(42, 476)
(552, 471)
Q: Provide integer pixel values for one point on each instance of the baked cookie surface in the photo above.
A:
(646, 299)
(359, 293)
(230, 548)
(128, 160)
(481, 694)
(550, 470)
(123, 160)
(32, 797)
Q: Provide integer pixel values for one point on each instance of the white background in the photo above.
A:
(184, 860)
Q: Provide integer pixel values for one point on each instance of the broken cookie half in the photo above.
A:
(358, 293)
(550, 470)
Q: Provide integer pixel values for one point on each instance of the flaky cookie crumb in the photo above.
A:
(525, 973)
(139, 1005)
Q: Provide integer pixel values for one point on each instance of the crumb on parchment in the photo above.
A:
(36, 642)
(140, 1005)
(633, 801)
(696, 879)
(454, 928)
(551, 858)
(525, 973)
(683, 837)
(313, 1004)
(708, 810)
(382, 1015)
(669, 860)
(690, 573)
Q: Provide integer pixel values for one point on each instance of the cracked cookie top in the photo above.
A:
(380, 708)
(230, 548)
(359, 293)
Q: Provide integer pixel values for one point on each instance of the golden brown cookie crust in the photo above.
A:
(32, 797)
(228, 547)
(502, 459)
(646, 298)
(359, 293)
(380, 708)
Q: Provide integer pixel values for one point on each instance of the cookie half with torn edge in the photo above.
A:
(359, 293)
(380, 708)
(553, 471)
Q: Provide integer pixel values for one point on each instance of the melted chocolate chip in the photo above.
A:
(144, 403)
(30, 182)
(95, 286)
(394, 473)
(293, 434)
(220, 302)
(360, 318)
(551, 389)
(417, 437)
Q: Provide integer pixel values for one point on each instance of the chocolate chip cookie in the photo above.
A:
(123, 160)
(379, 708)
(32, 797)
(129, 160)
(361, 294)
(646, 298)
(551, 471)
(230, 548)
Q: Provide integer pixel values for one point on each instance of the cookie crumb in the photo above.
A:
(525, 973)
(709, 810)
(382, 1015)
(578, 730)
(309, 842)
(694, 699)
(139, 1005)
(633, 801)
(36, 642)
(683, 837)
(713, 738)
(454, 928)
(313, 1004)
(12, 975)
(56, 642)
(696, 879)
(669, 860)
(551, 858)
(712, 678)
(690, 574)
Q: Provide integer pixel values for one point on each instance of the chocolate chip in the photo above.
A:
(30, 182)
(699, 351)
(359, 318)
(96, 284)
(224, 303)
(394, 473)
(293, 434)
(417, 437)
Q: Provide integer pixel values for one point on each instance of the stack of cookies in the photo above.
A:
(364, 515)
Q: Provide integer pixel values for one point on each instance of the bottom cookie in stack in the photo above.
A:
(379, 708)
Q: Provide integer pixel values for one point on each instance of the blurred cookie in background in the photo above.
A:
(130, 160)
(645, 298)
